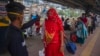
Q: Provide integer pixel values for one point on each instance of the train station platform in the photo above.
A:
(91, 46)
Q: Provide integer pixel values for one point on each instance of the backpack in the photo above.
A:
(71, 47)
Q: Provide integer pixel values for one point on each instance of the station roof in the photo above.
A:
(93, 5)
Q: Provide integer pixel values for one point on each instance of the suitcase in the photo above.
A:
(71, 47)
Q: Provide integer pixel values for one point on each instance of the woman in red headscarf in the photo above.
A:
(53, 34)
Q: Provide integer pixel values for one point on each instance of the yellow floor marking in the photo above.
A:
(87, 51)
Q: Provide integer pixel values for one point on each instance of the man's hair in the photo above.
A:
(89, 15)
(12, 17)
(83, 14)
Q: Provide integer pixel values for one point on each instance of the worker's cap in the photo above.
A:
(15, 7)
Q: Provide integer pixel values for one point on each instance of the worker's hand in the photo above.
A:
(36, 17)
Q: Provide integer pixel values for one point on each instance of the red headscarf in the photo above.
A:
(53, 16)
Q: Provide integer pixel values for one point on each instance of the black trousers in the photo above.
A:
(90, 29)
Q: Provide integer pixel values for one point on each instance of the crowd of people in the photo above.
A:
(82, 26)
(52, 31)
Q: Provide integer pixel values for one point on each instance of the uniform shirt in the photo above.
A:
(16, 45)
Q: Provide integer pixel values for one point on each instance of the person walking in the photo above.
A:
(84, 19)
(89, 24)
(81, 31)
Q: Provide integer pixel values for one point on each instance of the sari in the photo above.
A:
(52, 27)
(81, 32)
